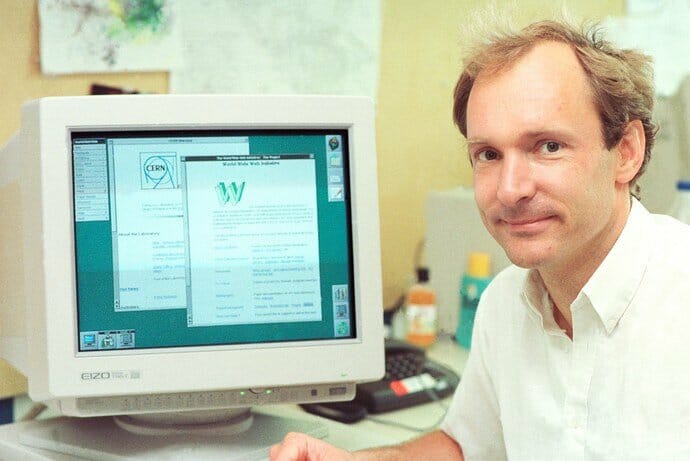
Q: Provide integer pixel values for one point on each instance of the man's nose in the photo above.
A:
(516, 181)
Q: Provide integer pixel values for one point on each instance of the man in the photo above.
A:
(579, 349)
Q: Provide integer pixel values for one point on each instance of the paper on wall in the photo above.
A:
(279, 46)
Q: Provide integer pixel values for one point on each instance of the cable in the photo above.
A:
(407, 427)
(34, 412)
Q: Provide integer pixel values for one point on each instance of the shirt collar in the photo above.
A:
(612, 287)
(539, 303)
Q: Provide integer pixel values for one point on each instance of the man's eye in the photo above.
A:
(550, 147)
(487, 155)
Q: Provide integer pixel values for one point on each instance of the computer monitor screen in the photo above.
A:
(190, 238)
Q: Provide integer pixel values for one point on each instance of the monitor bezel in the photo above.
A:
(56, 370)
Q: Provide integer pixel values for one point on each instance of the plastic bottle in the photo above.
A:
(473, 283)
(681, 204)
(420, 312)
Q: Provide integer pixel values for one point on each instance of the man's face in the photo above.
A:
(544, 182)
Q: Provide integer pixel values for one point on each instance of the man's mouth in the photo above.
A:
(526, 225)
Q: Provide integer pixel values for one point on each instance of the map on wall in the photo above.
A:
(279, 46)
(81, 36)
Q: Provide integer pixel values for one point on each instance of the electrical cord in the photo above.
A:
(34, 412)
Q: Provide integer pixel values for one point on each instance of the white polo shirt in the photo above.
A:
(620, 390)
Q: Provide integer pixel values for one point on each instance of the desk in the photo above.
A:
(368, 433)
(364, 434)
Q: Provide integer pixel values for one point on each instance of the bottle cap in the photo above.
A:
(422, 274)
(479, 265)
(683, 184)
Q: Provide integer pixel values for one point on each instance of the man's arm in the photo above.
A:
(434, 446)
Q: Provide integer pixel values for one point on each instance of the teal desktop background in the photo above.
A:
(168, 328)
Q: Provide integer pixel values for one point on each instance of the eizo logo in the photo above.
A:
(95, 375)
(230, 192)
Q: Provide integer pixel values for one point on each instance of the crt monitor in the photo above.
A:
(192, 253)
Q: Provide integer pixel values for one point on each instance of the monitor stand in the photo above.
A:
(243, 436)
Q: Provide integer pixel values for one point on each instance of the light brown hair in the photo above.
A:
(622, 81)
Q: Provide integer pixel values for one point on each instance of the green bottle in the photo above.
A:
(472, 285)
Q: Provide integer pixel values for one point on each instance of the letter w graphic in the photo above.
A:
(230, 193)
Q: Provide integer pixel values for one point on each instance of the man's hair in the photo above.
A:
(621, 80)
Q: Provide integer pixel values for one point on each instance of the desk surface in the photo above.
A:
(374, 431)
(367, 433)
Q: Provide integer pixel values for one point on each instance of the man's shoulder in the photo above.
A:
(670, 224)
(670, 242)
(506, 288)
(502, 309)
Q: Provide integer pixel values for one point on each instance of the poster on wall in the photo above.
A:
(85, 36)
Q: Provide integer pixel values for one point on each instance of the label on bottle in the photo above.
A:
(421, 319)
(471, 289)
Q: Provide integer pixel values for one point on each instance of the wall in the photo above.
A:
(418, 148)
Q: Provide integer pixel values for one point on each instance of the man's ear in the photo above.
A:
(630, 150)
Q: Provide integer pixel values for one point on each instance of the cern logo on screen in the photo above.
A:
(158, 171)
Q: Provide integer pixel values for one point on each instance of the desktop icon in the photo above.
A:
(335, 194)
(126, 339)
(342, 328)
(340, 293)
(107, 341)
(341, 311)
(334, 142)
(335, 160)
(89, 341)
